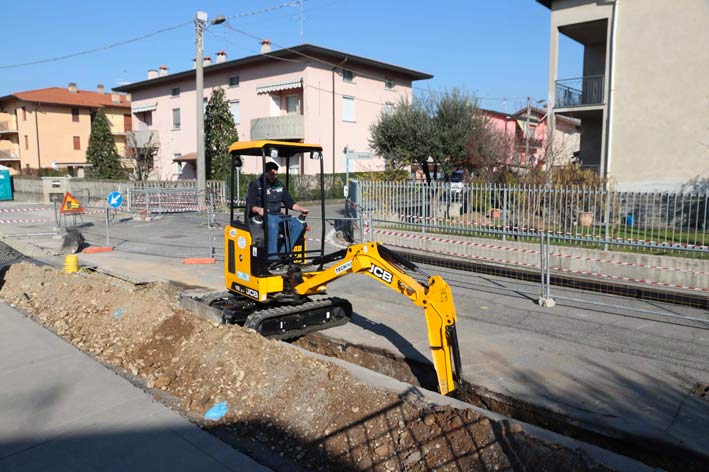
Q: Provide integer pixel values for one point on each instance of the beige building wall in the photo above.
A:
(56, 133)
(656, 102)
(659, 135)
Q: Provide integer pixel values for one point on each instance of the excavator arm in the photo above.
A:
(435, 297)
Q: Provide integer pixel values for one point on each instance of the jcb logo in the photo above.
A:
(381, 273)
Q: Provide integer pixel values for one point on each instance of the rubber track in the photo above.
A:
(254, 320)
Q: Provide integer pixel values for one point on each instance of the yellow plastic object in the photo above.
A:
(71, 264)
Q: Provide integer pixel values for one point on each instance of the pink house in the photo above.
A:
(566, 142)
(305, 93)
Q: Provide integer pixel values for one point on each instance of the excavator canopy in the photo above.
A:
(284, 148)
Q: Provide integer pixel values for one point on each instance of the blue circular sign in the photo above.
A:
(115, 199)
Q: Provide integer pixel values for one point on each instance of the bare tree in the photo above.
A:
(490, 151)
(141, 156)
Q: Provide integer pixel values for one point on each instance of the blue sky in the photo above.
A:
(494, 49)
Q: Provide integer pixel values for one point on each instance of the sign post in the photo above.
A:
(115, 200)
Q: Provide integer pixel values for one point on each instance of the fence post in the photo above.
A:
(209, 223)
(545, 299)
(504, 214)
(607, 217)
(108, 243)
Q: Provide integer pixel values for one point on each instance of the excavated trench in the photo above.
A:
(652, 453)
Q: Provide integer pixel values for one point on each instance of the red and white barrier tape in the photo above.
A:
(630, 279)
(35, 220)
(531, 251)
(598, 238)
(17, 210)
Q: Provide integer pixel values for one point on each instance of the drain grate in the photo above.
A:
(8, 253)
(701, 390)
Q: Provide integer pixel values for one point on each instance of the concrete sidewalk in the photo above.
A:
(61, 410)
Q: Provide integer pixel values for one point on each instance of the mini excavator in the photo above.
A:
(285, 304)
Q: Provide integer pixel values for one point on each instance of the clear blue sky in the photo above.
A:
(494, 48)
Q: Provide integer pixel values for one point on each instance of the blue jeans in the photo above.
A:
(293, 229)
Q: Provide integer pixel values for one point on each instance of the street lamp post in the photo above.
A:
(200, 24)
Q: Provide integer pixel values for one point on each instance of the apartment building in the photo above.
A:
(50, 128)
(529, 135)
(305, 93)
(642, 97)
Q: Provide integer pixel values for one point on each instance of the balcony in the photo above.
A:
(7, 127)
(278, 127)
(8, 155)
(143, 138)
(580, 92)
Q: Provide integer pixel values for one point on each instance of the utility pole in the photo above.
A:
(526, 142)
(200, 22)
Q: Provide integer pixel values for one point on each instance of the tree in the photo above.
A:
(101, 152)
(141, 156)
(219, 133)
(456, 118)
(436, 130)
(404, 135)
(489, 151)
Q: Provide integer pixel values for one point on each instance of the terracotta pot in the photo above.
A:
(494, 212)
(586, 219)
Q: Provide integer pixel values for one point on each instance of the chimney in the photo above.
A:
(163, 71)
(265, 46)
(115, 98)
(72, 87)
(221, 57)
(99, 88)
(207, 61)
(152, 74)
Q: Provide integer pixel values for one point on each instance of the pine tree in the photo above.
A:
(219, 133)
(102, 153)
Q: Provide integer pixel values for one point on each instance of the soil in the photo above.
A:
(306, 413)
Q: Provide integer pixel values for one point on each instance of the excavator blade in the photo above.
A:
(288, 322)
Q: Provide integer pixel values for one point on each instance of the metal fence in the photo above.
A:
(580, 91)
(644, 245)
(672, 223)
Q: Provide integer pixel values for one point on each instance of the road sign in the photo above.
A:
(70, 205)
(115, 199)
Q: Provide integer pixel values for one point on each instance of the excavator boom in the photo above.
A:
(385, 266)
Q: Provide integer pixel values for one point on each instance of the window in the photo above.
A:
(24, 114)
(235, 111)
(293, 104)
(348, 109)
(388, 108)
(388, 84)
(275, 105)
(175, 92)
(27, 142)
(77, 143)
(75, 115)
(347, 75)
(175, 118)
(234, 81)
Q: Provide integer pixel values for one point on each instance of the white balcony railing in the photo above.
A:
(278, 127)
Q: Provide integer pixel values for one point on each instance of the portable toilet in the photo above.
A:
(5, 183)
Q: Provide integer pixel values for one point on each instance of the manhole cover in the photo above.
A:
(701, 390)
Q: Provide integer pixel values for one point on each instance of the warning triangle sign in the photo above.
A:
(70, 205)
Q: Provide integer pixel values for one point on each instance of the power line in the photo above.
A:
(139, 38)
(97, 49)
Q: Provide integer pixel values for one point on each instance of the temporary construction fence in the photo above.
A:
(671, 223)
(616, 242)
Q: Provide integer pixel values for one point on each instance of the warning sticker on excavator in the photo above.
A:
(70, 205)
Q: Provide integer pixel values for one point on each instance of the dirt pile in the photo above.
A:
(310, 413)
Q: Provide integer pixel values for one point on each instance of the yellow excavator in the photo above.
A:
(283, 295)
